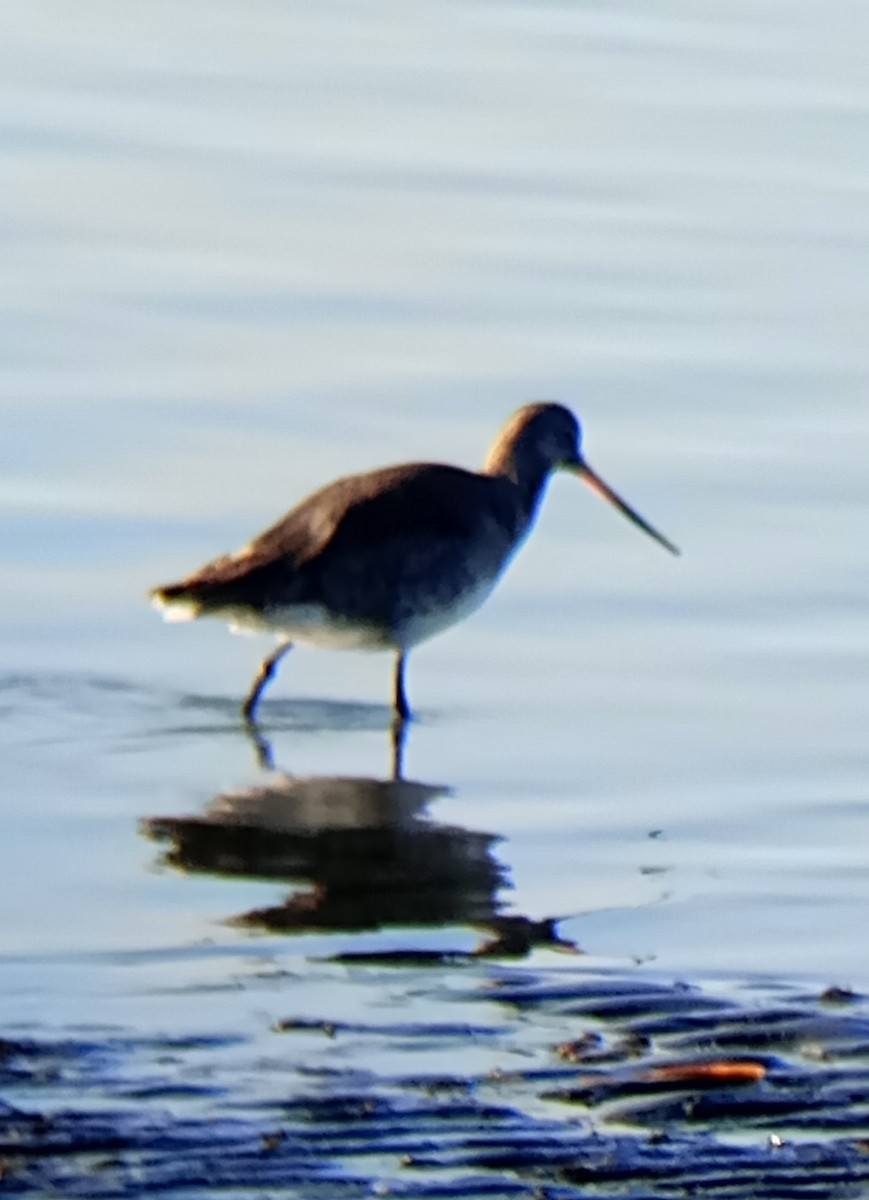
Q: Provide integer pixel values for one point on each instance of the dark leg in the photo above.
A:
(263, 675)
(399, 702)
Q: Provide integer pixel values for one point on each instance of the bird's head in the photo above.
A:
(546, 437)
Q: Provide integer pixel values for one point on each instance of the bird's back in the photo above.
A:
(367, 548)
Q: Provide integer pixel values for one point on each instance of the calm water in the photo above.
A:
(248, 246)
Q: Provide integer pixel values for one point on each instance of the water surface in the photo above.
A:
(249, 247)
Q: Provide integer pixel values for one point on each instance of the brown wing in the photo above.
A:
(359, 520)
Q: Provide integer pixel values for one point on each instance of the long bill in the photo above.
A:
(594, 481)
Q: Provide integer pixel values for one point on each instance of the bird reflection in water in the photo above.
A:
(366, 849)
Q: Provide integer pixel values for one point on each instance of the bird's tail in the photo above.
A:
(182, 601)
(219, 588)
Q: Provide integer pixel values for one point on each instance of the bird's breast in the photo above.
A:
(435, 610)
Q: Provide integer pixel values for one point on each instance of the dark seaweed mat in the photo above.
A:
(122, 1117)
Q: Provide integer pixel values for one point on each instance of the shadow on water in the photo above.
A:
(366, 848)
(302, 714)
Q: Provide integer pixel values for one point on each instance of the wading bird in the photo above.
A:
(386, 559)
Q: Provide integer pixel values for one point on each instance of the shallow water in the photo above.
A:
(252, 246)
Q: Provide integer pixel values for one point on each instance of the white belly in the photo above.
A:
(314, 625)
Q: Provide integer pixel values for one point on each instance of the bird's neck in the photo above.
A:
(528, 474)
